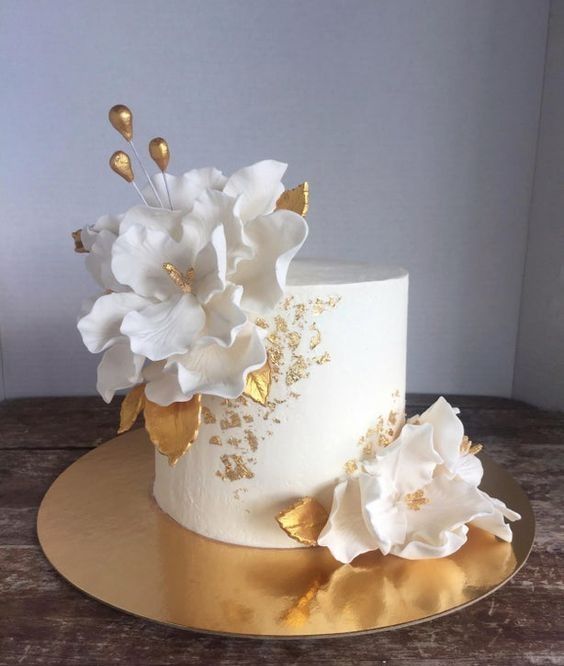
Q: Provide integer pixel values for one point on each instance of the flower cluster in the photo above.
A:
(180, 285)
(416, 498)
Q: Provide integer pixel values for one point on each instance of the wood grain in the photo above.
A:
(44, 620)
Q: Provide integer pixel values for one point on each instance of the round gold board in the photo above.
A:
(100, 527)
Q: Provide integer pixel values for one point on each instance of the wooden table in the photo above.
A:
(43, 620)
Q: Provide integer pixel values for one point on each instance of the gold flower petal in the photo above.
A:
(257, 386)
(131, 407)
(304, 520)
(77, 238)
(174, 428)
(296, 200)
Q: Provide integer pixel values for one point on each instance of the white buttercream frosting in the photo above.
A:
(338, 341)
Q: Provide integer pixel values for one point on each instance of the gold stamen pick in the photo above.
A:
(121, 118)
(121, 164)
(158, 149)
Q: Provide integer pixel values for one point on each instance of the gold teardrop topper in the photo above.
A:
(121, 118)
(158, 149)
(121, 164)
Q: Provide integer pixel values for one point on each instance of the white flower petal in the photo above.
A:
(163, 329)
(185, 189)
(210, 267)
(160, 219)
(221, 371)
(345, 533)
(385, 518)
(448, 431)
(224, 317)
(493, 521)
(438, 528)
(213, 208)
(98, 261)
(138, 256)
(276, 239)
(100, 326)
(162, 387)
(469, 468)
(260, 186)
(89, 234)
(410, 461)
(118, 369)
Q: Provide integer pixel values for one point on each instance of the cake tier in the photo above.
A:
(337, 348)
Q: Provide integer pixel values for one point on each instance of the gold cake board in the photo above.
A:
(101, 529)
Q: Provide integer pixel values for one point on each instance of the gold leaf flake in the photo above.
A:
(324, 358)
(315, 339)
(215, 441)
(174, 428)
(296, 199)
(304, 520)
(298, 370)
(281, 324)
(252, 440)
(261, 323)
(416, 500)
(207, 415)
(234, 441)
(131, 407)
(257, 386)
(231, 420)
(235, 468)
(350, 466)
(78, 245)
(294, 339)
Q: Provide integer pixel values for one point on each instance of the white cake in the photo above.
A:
(337, 347)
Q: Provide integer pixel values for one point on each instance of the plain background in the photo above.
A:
(430, 132)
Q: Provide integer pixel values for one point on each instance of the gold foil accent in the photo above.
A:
(121, 119)
(215, 440)
(467, 447)
(207, 415)
(298, 370)
(235, 468)
(351, 466)
(257, 385)
(248, 418)
(392, 417)
(315, 339)
(294, 339)
(173, 429)
(304, 520)
(159, 152)
(182, 280)
(231, 420)
(252, 440)
(281, 324)
(261, 323)
(121, 164)
(78, 244)
(320, 305)
(416, 500)
(296, 199)
(324, 358)
(299, 312)
(131, 407)
(234, 441)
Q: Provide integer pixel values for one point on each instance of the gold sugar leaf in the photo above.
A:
(174, 428)
(131, 407)
(77, 238)
(257, 386)
(296, 200)
(304, 520)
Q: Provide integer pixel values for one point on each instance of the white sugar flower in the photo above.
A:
(410, 501)
(179, 284)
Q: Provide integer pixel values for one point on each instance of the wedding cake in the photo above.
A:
(272, 389)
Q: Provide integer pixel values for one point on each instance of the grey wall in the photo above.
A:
(414, 121)
(539, 367)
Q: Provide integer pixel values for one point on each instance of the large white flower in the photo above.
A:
(180, 283)
(410, 501)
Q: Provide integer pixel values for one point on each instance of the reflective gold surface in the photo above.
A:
(101, 529)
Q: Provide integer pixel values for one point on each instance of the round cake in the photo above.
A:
(336, 346)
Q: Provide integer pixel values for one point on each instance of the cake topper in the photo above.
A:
(159, 151)
(121, 119)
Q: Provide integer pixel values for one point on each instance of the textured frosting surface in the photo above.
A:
(337, 344)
